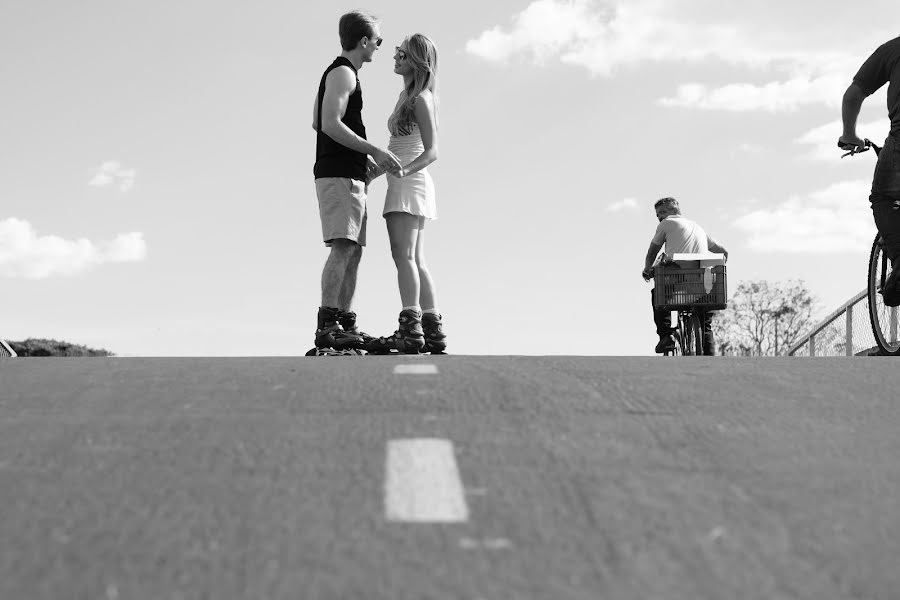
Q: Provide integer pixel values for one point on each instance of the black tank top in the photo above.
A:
(334, 159)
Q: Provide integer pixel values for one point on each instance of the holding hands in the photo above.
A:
(384, 161)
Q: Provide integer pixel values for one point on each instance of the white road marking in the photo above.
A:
(406, 369)
(422, 483)
(485, 544)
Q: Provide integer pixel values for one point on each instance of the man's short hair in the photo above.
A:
(354, 26)
(670, 202)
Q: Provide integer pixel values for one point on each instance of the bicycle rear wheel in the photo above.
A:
(678, 350)
(884, 318)
(695, 326)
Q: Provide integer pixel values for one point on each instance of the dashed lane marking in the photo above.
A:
(408, 369)
(422, 483)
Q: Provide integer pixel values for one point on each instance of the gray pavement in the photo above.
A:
(585, 478)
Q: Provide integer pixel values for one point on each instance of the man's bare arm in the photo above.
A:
(339, 84)
(652, 253)
(850, 107)
(716, 247)
(315, 121)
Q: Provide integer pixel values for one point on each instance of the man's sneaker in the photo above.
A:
(666, 344)
(891, 290)
(435, 339)
(330, 334)
(347, 320)
(408, 339)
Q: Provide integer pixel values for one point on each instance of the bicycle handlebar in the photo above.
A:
(853, 150)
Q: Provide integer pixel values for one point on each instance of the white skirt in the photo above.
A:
(413, 194)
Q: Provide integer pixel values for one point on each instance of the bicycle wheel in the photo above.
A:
(696, 327)
(687, 341)
(678, 350)
(884, 318)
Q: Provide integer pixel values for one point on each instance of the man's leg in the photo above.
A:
(885, 200)
(886, 211)
(346, 316)
(342, 209)
(348, 285)
(709, 340)
(663, 320)
(329, 332)
(336, 270)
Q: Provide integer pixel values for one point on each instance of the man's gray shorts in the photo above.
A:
(342, 209)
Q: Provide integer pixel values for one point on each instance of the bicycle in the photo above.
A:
(884, 319)
(692, 292)
(688, 333)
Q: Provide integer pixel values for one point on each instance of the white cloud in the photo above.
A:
(835, 219)
(806, 61)
(824, 139)
(775, 96)
(545, 28)
(751, 148)
(626, 204)
(599, 35)
(25, 254)
(113, 173)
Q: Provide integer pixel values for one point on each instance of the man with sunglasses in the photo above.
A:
(342, 171)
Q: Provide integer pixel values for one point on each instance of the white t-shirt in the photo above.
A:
(681, 236)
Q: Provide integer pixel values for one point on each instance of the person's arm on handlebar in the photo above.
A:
(652, 253)
(850, 107)
(715, 246)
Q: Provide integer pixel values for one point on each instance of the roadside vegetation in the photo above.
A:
(44, 347)
(765, 318)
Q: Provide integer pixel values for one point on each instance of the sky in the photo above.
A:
(157, 196)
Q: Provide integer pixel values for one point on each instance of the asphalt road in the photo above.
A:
(575, 478)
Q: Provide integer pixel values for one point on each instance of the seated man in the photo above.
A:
(679, 236)
(883, 66)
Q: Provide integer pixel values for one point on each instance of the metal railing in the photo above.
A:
(5, 350)
(845, 332)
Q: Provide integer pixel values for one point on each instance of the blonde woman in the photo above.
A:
(410, 199)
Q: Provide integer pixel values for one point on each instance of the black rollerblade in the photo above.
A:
(331, 339)
(408, 339)
(435, 339)
(347, 320)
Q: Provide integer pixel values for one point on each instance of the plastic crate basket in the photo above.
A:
(680, 288)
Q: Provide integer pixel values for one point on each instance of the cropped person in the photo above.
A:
(883, 66)
(678, 235)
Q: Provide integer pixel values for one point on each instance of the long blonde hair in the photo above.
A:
(421, 53)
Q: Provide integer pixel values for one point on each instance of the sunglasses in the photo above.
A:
(377, 41)
(401, 55)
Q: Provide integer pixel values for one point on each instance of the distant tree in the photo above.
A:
(764, 318)
(43, 347)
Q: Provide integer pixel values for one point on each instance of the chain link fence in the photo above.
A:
(5, 350)
(845, 332)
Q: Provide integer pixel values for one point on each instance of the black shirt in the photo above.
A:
(334, 159)
(880, 68)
